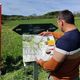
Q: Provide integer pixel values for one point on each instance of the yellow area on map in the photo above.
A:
(51, 42)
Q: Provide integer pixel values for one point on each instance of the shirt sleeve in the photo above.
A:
(63, 46)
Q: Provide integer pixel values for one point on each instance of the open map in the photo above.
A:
(35, 46)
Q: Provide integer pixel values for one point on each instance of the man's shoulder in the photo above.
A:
(63, 43)
(70, 38)
(68, 43)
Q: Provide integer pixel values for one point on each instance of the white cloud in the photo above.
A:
(28, 7)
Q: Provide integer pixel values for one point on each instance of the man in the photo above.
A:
(64, 64)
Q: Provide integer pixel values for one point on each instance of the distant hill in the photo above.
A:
(52, 14)
(47, 15)
(12, 17)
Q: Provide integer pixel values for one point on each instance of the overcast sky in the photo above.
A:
(39, 7)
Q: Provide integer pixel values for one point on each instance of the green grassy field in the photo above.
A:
(12, 44)
(11, 41)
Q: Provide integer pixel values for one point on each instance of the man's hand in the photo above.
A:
(46, 33)
(39, 61)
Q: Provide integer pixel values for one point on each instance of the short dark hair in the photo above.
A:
(67, 16)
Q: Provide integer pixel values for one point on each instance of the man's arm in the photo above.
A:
(54, 62)
(57, 35)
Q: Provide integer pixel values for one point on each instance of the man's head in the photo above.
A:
(65, 17)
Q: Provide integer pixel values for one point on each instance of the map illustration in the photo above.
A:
(35, 46)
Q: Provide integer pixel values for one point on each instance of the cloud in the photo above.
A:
(28, 7)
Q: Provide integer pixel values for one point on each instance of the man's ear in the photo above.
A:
(62, 22)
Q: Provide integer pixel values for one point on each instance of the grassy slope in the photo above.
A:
(12, 42)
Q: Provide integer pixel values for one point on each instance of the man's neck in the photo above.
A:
(69, 27)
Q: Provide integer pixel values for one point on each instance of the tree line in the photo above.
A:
(34, 16)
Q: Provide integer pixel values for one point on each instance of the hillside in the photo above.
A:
(34, 16)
